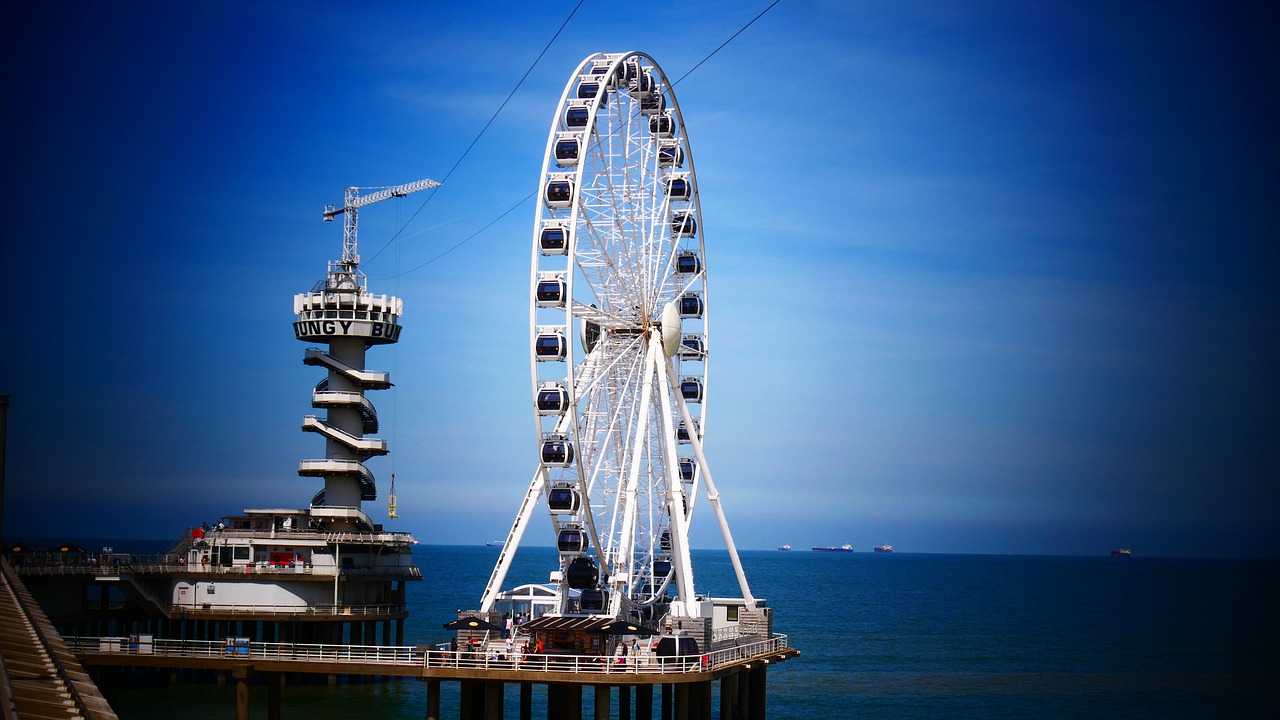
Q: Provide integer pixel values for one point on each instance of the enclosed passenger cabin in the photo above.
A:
(588, 89)
(688, 263)
(653, 105)
(559, 191)
(627, 73)
(553, 239)
(551, 290)
(576, 116)
(679, 188)
(691, 305)
(550, 346)
(562, 500)
(691, 389)
(557, 452)
(552, 399)
(662, 125)
(688, 468)
(590, 335)
(670, 155)
(582, 573)
(661, 569)
(643, 84)
(566, 150)
(593, 600)
(682, 432)
(664, 541)
(692, 347)
(683, 224)
(571, 539)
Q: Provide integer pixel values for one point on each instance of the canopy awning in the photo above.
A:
(566, 623)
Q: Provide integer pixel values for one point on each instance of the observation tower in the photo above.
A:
(341, 313)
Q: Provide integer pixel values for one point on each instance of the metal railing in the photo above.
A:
(154, 568)
(333, 610)
(493, 657)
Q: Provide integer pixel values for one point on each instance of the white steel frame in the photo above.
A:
(625, 401)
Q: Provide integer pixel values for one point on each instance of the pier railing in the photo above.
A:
(336, 610)
(494, 657)
(169, 568)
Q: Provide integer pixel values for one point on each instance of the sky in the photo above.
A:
(983, 277)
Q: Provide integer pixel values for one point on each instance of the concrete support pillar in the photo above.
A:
(756, 693)
(624, 702)
(241, 675)
(400, 632)
(526, 701)
(700, 700)
(564, 701)
(744, 695)
(668, 701)
(275, 681)
(493, 697)
(681, 701)
(729, 698)
(471, 700)
(644, 702)
(433, 700)
(604, 704)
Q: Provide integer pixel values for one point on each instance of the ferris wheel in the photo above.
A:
(618, 330)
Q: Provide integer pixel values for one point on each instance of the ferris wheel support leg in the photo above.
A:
(713, 496)
(675, 505)
(499, 576)
(622, 559)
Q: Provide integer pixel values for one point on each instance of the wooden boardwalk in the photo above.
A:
(39, 676)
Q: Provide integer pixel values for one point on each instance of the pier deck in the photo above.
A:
(686, 681)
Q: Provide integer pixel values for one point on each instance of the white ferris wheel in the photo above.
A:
(619, 330)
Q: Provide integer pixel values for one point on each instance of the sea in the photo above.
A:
(901, 635)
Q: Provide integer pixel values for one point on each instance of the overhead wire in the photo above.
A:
(482, 131)
(509, 210)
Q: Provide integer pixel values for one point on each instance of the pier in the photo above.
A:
(687, 683)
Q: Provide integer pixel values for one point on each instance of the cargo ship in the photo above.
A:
(846, 548)
(884, 548)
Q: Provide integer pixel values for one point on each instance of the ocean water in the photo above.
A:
(905, 636)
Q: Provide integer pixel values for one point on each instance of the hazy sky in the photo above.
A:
(984, 276)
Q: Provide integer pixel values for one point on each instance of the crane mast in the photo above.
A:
(352, 201)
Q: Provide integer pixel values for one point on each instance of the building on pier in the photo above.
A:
(324, 573)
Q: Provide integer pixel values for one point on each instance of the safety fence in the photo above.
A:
(495, 656)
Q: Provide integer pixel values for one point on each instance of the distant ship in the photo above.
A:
(1122, 552)
(494, 543)
(785, 548)
(884, 548)
(842, 549)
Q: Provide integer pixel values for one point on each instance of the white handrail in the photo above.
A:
(491, 658)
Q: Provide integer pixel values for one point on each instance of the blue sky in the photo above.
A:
(984, 276)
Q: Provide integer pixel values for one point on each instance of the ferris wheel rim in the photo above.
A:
(580, 313)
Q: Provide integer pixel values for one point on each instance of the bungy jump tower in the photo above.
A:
(619, 358)
(325, 573)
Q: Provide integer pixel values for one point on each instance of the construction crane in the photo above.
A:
(352, 201)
